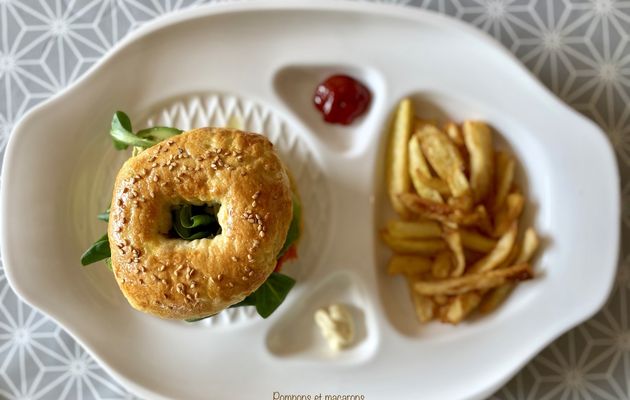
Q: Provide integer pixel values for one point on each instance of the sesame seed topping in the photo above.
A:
(192, 285)
(254, 203)
(239, 158)
(234, 259)
(261, 234)
(230, 284)
(250, 273)
(164, 282)
(161, 268)
(244, 278)
(255, 195)
(219, 277)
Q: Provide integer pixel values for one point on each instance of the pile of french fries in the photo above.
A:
(457, 240)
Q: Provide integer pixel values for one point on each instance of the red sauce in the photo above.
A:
(341, 99)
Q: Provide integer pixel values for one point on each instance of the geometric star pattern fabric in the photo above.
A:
(580, 49)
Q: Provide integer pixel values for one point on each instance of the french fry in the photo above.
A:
(479, 281)
(454, 133)
(420, 172)
(441, 266)
(461, 306)
(409, 265)
(454, 242)
(476, 241)
(398, 180)
(440, 299)
(445, 213)
(434, 184)
(445, 159)
(414, 246)
(500, 252)
(510, 212)
(414, 229)
(478, 139)
(497, 296)
(424, 306)
(529, 246)
(504, 178)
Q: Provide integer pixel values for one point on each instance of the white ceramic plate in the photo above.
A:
(260, 63)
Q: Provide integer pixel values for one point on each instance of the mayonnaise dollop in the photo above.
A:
(336, 325)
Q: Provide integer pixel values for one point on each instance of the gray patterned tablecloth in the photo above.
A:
(579, 48)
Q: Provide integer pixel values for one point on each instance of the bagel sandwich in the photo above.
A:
(199, 221)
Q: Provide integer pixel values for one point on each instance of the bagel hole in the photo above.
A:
(195, 221)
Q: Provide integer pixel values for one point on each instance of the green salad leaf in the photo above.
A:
(122, 133)
(196, 222)
(158, 133)
(267, 298)
(97, 252)
(271, 294)
(104, 216)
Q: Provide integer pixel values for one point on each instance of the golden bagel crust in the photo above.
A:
(180, 279)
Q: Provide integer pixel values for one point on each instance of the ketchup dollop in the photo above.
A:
(341, 99)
